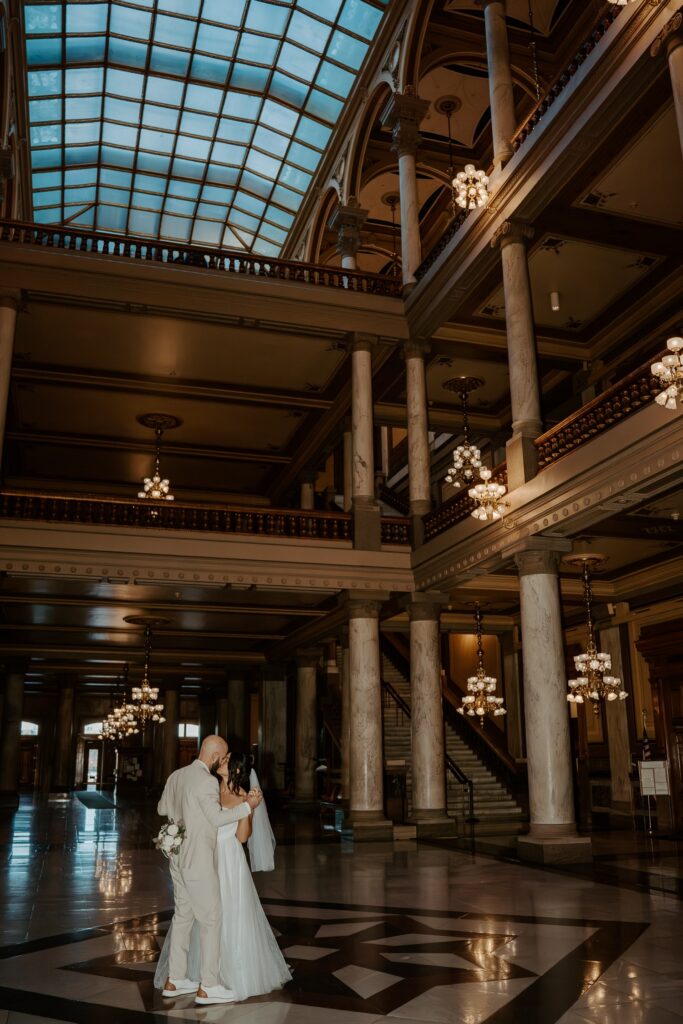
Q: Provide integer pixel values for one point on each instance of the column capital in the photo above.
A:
(308, 657)
(539, 556)
(416, 348)
(403, 114)
(512, 231)
(425, 605)
(10, 298)
(671, 36)
(347, 220)
(357, 341)
(363, 604)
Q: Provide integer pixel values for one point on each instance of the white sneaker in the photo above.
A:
(215, 994)
(184, 987)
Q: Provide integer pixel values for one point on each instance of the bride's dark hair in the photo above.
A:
(239, 767)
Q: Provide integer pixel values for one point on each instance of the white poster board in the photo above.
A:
(654, 778)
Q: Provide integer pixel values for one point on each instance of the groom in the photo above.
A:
(191, 796)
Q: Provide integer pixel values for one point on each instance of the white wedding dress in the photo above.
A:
(251, 961)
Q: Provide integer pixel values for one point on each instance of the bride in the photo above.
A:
(251, 961)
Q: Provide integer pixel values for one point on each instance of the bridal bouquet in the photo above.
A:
(170, 838)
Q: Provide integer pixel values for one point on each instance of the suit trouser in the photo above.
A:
(196, 899)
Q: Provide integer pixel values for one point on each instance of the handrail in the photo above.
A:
(457, 508)
(474, 730)
(616, 403)
(527, 127)
(70, 238)
(395, 530)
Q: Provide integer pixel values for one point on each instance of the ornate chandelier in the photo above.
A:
(480, 700)
(488, 497)
(669, 373)
(155, 487)
(120, 721)
(466, 457)
(144, 697)
(592, 682)
(471, 188)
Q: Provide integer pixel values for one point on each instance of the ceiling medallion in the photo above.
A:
(669, 373)
(156, 488)
(480, 698)
(592, 682)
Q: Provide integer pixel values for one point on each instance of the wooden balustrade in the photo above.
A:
(458, 507)
(93, 510)
(98, 243)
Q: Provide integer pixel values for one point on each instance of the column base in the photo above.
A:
(368, 827)
(568, 849)
(367, 527)
(433, 823)
(521, 457)
(9, 800)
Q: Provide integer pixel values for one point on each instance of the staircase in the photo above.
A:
(493, 805)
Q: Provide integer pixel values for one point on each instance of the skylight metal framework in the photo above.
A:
(197, 121)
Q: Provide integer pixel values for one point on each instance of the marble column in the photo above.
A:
(207, 714)
(366, 515)
(274, 733)
(552, 834)
(306, 726)
(347, 220)
(348, 466)
(10, 735)
(501, 95)
(618, 740)
(366, 760)
(525, 396)
(222, 716)
(345, 719)
(237, 731)
(62, 779)
(419, 463)
(426, 718)
(169, 751)
(403, 114)
(513, 695)
(671, 40)
(9, 305)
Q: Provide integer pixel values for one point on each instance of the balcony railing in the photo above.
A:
(98, 243)
(92, 510)
(457, 508)
(607, 409)
(527, 127)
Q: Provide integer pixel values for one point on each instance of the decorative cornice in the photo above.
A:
(671, 34)
(512, 231)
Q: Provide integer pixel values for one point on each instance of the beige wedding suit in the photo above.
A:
(191, 796)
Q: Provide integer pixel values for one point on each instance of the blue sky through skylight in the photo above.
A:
(199, 121)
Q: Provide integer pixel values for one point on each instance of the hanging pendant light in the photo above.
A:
(155, 487)
(120, 721)
(471, 188)
(144, 698)
(488, 498)
(669, 373)
(593, 683)
(480, 699)
(466, 457)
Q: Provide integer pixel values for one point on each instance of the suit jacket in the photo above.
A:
(191, 795)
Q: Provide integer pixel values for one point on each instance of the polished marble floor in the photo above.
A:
(437, 934)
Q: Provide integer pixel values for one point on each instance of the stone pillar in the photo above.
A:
(222, 716)
(237, 732)
(10, 735)
(403, 114)
(347, 221)
(366, 515)
(552, 835)
(306, 728)
(348, 467)
(169, 754)
(345, 719)
(503, 119)
(426, 718)
(9, 305)
(274, 717)
(308, 491)
(671, 38)
(62, 779)
(419, 463)
(366, 761)
(618, 740)
(525, 398)
(513, 695)
(207, 714)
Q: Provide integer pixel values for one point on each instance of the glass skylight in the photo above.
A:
(196, 121)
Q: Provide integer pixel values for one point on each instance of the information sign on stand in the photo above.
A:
(654, 781)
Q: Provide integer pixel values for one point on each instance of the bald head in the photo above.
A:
(213, 750)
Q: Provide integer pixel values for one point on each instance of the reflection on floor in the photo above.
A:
(405, 932)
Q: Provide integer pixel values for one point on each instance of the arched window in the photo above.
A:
(30, 728)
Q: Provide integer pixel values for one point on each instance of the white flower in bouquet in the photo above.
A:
(170, 838)
(172, 829)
